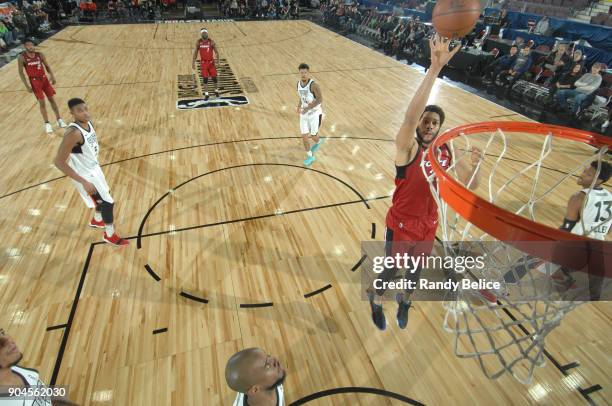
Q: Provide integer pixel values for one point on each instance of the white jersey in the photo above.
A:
(29, 377)
(307, 97)
(84, 158)
(597, 209)
(241, 399)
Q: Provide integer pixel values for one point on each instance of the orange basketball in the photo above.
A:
(455, 18)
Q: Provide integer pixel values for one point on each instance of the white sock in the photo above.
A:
(309, 153)
(97, 216)
(205, 93)
(110, 230)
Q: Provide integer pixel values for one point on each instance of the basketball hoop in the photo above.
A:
(508, 336)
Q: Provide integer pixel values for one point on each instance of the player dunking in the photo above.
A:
(207, 49)
(77, 157)
(413, 215)
(34, 64)
(310, 110)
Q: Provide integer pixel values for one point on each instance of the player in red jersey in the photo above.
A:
(33, 64)
(412, 219)
(207, 49)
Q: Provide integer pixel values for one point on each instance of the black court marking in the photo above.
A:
(239, 29)
(316, 292)
(505, 115)
(75, 303)
(253, 305)
(373, 234)
(160, 330)
(152, 273)
(192, 297)
(587, 392)
(356, 389)
(569, 366)
(59, 326)
(358, 264)
(155, 32)
(146, 216)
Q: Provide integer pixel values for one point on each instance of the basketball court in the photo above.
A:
(233, 242)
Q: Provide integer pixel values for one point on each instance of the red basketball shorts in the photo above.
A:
(42, 87)
(208, 69)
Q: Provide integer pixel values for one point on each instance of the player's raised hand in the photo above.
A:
(440, 51)
(476, 156)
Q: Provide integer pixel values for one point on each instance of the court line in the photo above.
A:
(192, 297)
(355, 389)
(254, 305)
(57, 327)
(358, 264)
(373, 234)
(73, 308)
(160, 330)
(316, 292)
(146, 216)
(152, 273)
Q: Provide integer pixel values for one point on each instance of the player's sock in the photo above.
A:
(316, 145)
(97, 216)
(110, 229)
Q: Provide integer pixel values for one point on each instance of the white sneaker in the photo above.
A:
(48, 128)
(605, 125)
(61, 123)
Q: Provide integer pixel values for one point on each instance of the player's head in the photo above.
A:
(576, 68)
(429, 124)
(252, 371)
(513, 50)
(586, 178)
(204, 33)
(78, 108)
(9, 352)
(304, 71)
(29, 45)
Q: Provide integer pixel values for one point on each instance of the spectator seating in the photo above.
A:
(604, 19)
(551, 8)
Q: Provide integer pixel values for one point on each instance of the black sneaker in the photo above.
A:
(378, 317)
(402, 313)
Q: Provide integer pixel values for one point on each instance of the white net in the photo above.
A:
(505, 329)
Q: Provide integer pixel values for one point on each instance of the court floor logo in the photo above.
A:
(190, 95)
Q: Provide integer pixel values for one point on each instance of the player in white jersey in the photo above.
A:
(310, 111)
(77, 157)
(257, 377)
(589, 212)
(13, 377)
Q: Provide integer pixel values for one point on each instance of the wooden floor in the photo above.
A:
(258, 228)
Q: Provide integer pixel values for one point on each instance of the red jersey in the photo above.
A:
(412, 198)
(33, 65)
(206, 50)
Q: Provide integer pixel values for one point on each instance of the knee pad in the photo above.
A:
(106, 209)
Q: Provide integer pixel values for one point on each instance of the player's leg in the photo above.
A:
(37, 89)
(90, 201)
(50, 92)
(43, 111)
(105, 204)
(213, 74)
(205, 75)
(315, 125)
(305, 131)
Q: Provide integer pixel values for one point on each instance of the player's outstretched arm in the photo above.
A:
(405, 142)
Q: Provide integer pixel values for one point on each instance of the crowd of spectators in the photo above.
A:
(261, 9)
(32, 19)
(561, 77)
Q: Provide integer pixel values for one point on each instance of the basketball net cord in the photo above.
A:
(507, 336)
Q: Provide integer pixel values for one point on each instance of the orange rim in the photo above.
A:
(498, 222)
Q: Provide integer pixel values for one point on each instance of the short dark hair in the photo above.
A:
(435, 109)
(303, 66)
(604, 172)
(75, 102)
(28, 40)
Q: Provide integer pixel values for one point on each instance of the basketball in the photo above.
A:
(455, 18)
